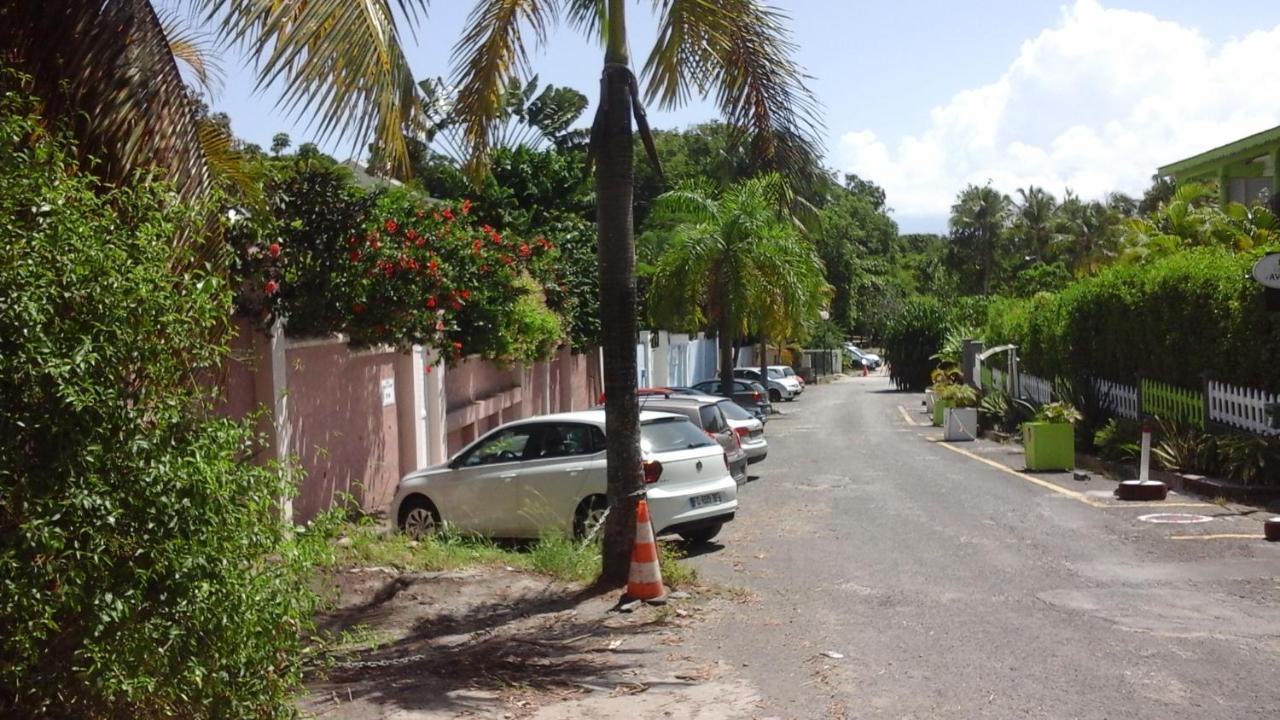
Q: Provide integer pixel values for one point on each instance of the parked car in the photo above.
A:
(749, 429)
(750, 395)
(873, 361)
(780, 386)
(547, 474)
(705, 412)
(790, 372)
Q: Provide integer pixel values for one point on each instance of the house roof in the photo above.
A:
(1210, 160)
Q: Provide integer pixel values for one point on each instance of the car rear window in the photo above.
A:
(733, 410)
(668, 434)
(711, 418)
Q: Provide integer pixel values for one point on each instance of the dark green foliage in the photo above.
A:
(145, 571)
(1171, 320)
(911, 338)
(1118, 440)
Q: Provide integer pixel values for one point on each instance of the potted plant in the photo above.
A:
(960, 413)
(943, 379)
(1049, 440)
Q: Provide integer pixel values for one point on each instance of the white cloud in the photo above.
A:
(1095, 104)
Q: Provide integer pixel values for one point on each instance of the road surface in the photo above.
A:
(955, 589)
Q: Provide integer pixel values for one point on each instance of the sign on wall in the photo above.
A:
(1267, 270)
(388, 392)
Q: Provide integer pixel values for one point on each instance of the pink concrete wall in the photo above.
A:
(346, 440)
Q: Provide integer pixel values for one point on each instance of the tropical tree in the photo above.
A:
(978, 221)
(1087, 233)
(1035, 221)
(113, 73)
(736, 50)
(736, 262)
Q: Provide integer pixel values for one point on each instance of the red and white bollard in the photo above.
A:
(1144, 488)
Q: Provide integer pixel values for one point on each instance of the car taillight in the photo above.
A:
(755, 395)
(652, 471)
(742, 433)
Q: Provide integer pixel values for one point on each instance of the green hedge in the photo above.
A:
(911, 337)
(1172, 320)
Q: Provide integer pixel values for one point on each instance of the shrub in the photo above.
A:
(145, 571)
(1058, 412)
(911, 338)
(1118, 440)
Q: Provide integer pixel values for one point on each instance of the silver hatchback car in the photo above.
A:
(547, 474)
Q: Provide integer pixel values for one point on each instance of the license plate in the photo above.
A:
(704, 500)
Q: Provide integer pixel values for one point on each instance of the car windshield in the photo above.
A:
(733, 410)
(775, 373)
(668, 434)
(788, 372)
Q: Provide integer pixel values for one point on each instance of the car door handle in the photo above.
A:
(507, 476)
(574, 470)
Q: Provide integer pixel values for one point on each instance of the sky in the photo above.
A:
(924, 97)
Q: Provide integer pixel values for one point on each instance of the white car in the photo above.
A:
(780, 386)
(546, 474)
(788, 375)
(749, 429)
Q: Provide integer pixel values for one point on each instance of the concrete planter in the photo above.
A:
(929, 399)
(939, 407)
(1049, 446)
(961, 424)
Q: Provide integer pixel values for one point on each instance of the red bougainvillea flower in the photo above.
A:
(355, 256)
(376, 244)
(431, 303)
(525, 250)
(455, 304)
(390, 225)
(426, 370)
(507, 259)
(273, 250)
(457, 346)
(351, 240)
(475, 247)
(358, 308)
(271, 288)
(411, 234)
(434, 267)
(466, 294)
(466, 206)
(436, 216)
(447, 213)
(544, 243)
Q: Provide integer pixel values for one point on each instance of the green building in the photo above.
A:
(1246, 168)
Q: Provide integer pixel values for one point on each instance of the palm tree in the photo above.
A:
(1088, 230)
(109, 70)
(736, 50)
(738, 263)
(978, 219)
(1035, 220)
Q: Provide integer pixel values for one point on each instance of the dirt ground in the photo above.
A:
(507, 644)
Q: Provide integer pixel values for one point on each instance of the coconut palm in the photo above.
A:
(978, 220)
(735, 262)
(739, 52)
(109, 70)
(1035, 221)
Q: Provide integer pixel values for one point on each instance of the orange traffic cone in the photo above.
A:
(644, 582)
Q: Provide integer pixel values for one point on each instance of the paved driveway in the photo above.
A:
(955, 588)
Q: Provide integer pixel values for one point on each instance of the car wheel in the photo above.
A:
(775, 396)
(702, 535)
(418, 517)
(588, 520)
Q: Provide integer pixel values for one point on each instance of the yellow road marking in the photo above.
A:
(906, 416)
(1033, 480)
(1220, 536)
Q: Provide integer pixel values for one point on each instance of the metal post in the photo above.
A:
(1144, 469)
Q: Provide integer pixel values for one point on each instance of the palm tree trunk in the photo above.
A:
(725, 331)
(764, 362)
(614, 187)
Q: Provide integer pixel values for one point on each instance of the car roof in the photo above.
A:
(678, 400)
(595, 416)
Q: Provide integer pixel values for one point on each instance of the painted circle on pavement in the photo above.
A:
(1175, 518)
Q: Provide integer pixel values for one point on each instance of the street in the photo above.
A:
(941, 586)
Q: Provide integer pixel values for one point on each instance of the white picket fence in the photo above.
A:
(1038, 390)
(1122, 400)
(1238, 407)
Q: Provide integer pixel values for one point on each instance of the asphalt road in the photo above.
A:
(956, 590)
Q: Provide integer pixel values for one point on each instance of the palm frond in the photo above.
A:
(740, 52)
(339, 61)
(228, 165)
(490, 54)
(195, 48)
(106, 71)
(587, 16)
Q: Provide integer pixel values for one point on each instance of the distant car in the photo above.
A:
(873, 361)
(780, 386)
(547, 474)
(750, 395)
(791, 373)
(705, 412)
(749, 429)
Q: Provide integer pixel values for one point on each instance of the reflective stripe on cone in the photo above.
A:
(644, 581)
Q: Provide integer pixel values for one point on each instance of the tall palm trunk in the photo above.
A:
(614, 185)
(727, 353)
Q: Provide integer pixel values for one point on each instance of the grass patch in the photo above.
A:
(369, 543)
